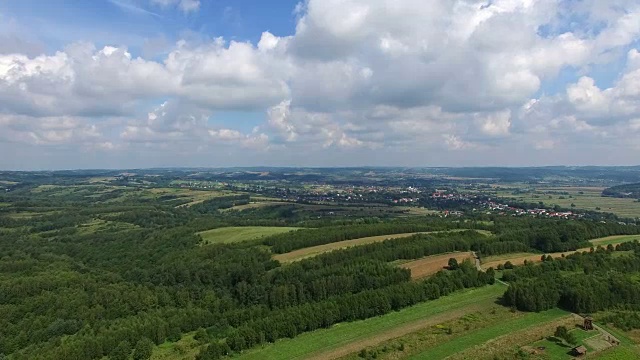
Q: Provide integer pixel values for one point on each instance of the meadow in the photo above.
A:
(235, 234)
(343, 339)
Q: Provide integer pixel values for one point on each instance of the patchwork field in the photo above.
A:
(343, 339)
(587, 198)
(227, 235)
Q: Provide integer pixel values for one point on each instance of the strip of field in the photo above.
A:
(321, 249)
(480, 336)
(432, 264)
(613, 240)
(520, 258)
(233, 234)
(346, 338)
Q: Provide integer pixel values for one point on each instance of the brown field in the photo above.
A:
(432, 264)
(316, 250)
(520, 259)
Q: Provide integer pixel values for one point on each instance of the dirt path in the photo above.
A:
(395, 333)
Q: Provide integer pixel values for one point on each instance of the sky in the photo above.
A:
(215, 83)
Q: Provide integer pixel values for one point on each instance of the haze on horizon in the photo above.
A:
(199, 83)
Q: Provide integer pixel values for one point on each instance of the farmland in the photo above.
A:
(587, 198)
(234, 234)
(432, 264)
(183, 261)
(343, 339)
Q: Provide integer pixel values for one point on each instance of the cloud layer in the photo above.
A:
(461, 82)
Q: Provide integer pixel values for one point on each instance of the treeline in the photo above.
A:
(299, 239)
(295, 320)
(549, 235)
(597, 281)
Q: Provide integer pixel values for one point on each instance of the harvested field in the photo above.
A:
(432, 264)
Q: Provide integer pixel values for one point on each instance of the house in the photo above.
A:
(579, 350)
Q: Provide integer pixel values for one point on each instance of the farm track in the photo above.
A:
(352, 347)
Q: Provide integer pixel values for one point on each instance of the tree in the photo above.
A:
(508, 265)
(121, 352)
(453, 264)
(143, 349)
(561, 332)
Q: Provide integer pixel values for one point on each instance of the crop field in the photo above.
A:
(587, 198)
(234, 234)
(432, 264)
(346, 338)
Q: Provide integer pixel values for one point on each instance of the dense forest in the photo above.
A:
(583, 282)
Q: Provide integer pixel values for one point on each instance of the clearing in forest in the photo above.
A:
(519, 258)
(432, 264)
(303, 253)
(233, 234)
(345, 338)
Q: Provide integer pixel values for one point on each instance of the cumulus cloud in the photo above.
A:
(383, 75)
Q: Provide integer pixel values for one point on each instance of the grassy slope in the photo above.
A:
(339, 335)
(321, 249)
(241, 233)
(481, 336)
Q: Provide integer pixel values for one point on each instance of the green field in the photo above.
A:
(481, 336)
(556, 349)
(613, 240)
(582, 197)
(233, 234)
(320, 341)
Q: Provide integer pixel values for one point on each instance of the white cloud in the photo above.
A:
(186, 6)
(382, 75)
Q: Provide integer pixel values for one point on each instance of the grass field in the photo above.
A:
(185, 349)
(342, 339)
(320, 249)
(227, 235)
(483, 335)
(432, 264)
(587, 198)
(613, 240)
(519, 258)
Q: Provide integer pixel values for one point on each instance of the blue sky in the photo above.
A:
(318, 82)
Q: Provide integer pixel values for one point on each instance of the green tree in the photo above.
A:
(453, 264)
(143, 349)
(121, 352)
